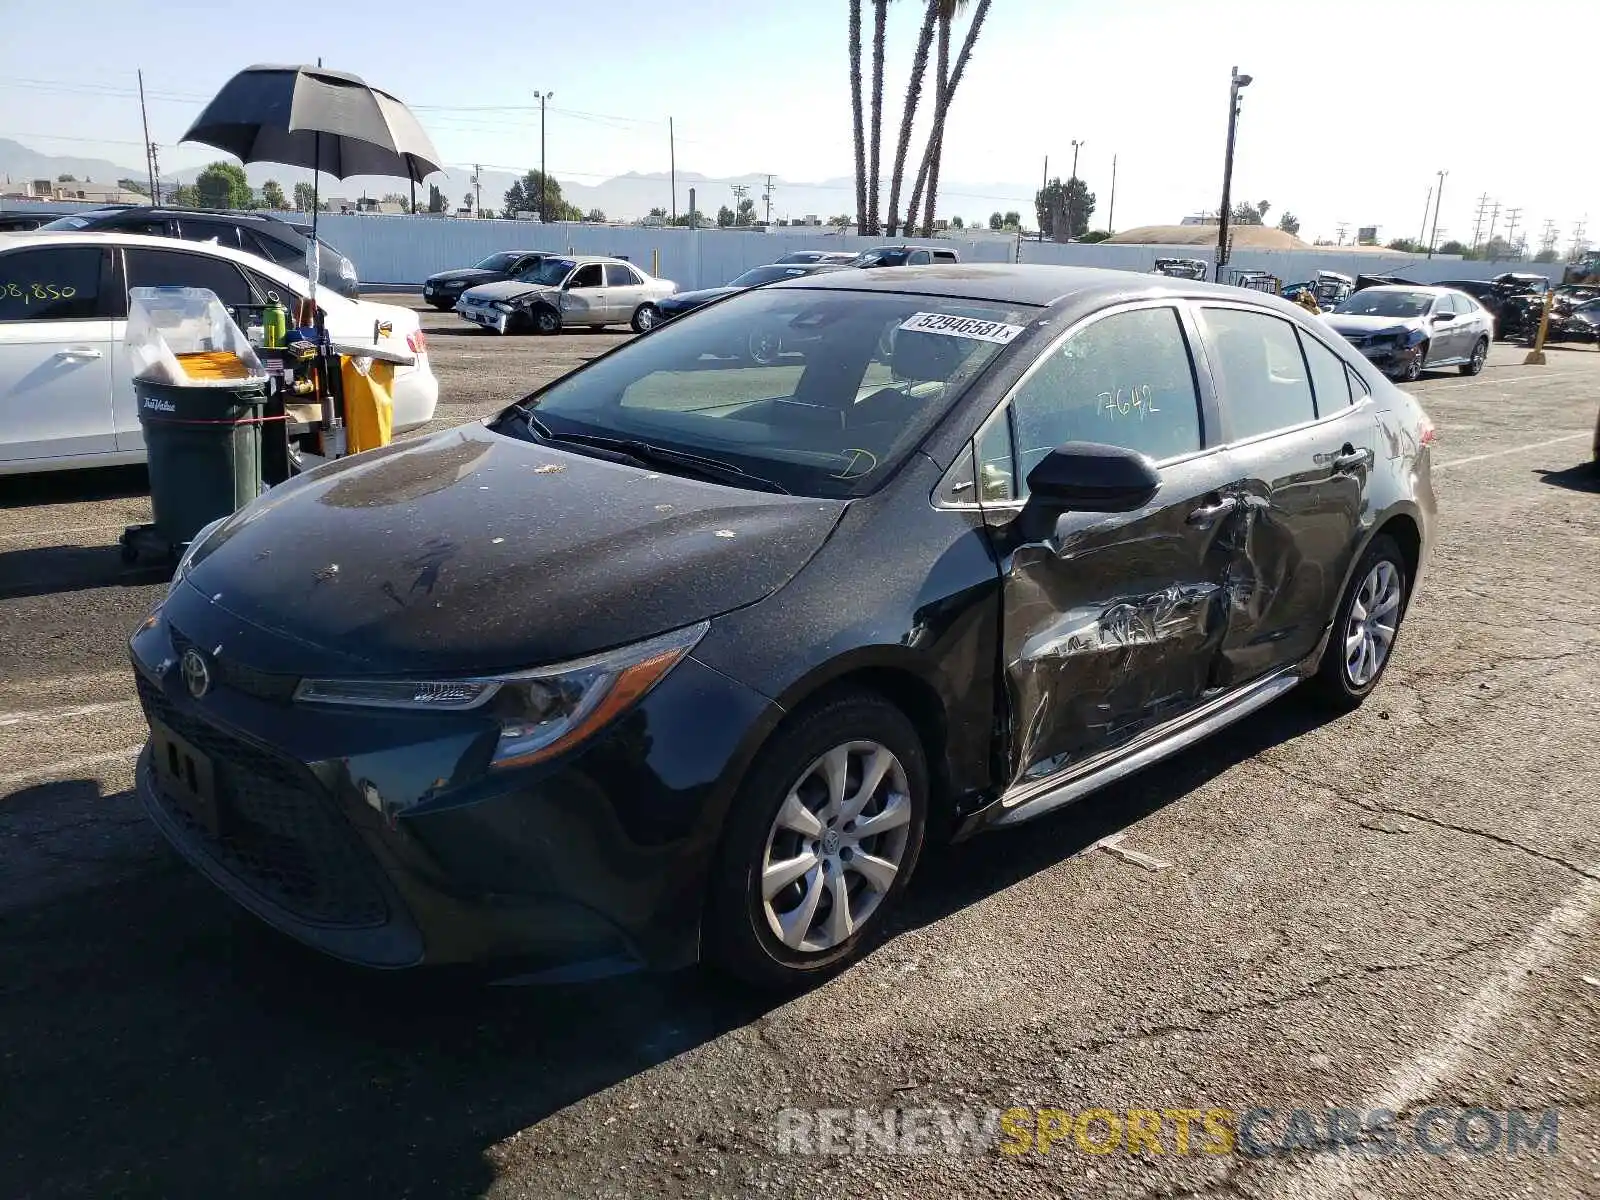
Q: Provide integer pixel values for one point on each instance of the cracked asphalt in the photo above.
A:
(1396, 909)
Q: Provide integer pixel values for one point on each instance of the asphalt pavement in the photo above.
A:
(1394, 910)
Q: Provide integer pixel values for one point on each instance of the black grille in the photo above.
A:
(226, 672)
(279, 832)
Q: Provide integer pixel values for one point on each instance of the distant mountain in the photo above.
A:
(625, 197)
(20, 164)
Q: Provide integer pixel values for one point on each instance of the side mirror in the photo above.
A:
(1443, 318)
(1091, 477)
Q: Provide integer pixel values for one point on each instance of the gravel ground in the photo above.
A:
(1398, 909)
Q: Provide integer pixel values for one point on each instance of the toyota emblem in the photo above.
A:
(196, 675)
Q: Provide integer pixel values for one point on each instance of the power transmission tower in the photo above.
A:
(1513, 219)
(740, 191)
(766, 196)
(1477, 224)
(1579, 243)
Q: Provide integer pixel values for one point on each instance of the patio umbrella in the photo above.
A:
(313, 117)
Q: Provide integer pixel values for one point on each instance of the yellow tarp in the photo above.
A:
(368, 404)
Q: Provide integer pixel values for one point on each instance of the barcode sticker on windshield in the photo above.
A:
(961, 327)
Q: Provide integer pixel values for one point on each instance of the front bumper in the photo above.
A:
(486, 318)
(373, 837)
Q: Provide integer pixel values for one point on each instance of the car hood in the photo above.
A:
(1351, 323)
(703, 296)
(467, 275)
(506, 289)
(470, 551)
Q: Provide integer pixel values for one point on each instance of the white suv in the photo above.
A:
(66, 389)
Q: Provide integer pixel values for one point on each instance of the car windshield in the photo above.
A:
(530, 273)
(65, 224)
(759, 275)
(549, 273)
(802, 256)
(882, 258)
(1375, 303)
(822, 392)
(499, 262)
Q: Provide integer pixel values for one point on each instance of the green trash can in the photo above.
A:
(204, 450)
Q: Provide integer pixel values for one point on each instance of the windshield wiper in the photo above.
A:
(646, 455)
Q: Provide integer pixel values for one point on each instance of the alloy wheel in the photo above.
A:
(1374, 618)
(836, 846)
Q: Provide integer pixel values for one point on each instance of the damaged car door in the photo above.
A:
(1112, 620)
(1304, 455)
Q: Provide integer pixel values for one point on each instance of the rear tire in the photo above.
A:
(1480, 352)
(645, 318)
(791, 811)
(1365, 627)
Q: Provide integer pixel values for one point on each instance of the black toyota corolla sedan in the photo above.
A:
(684, 658)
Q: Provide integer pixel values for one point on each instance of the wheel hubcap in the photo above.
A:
(836, 846)
(1374, 617)
(647, 318)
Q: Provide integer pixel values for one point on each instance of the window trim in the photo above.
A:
(1227, 417)
(568, 285)
(103, 311)
(626, 269)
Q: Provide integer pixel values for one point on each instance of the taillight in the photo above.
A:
(417, 341)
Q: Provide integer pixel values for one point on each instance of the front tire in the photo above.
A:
(819, 844)
(1365, 627)
(1480, 352)
(645, 318)
(545, 320)
(1412, 370)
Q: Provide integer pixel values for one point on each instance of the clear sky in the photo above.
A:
(1355, 106)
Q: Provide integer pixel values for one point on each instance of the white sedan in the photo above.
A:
(1405, 330)
(66, 387)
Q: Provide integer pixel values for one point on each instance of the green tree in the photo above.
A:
(658, 211)
(133, 185)
(66, 179)
(957, 223)
(1012, 220)
(746, 214)
(305, 196)
(595, 216)
(272, 194)
(1245, 213)
(223, 185)
(842, 221)
(946, 80)
(1288, 222)
(1095, 235)
(996, 221)
(1405, 246)
(436, 200)
(1453, 247)
(523, 196)
(725, 217)
(184, 196)
(1545, 256)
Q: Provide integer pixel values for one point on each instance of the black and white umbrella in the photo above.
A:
(313, 117)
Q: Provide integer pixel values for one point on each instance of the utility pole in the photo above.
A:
(1494, 217)
(767, 196)
(1111, 213)
(1579, 244)
(155, 174)
(1422, 234)
(1072, 198)
(694, 222)
(148, 147)
(1341, 229)
(1438, 202)
(1477, 224)
(1513, 218)
(740, 191)
(1550, 236)
(477, 190)
(672, 159)
(1239, 81)
(544, 180)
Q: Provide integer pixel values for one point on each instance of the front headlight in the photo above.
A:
(542, 712)
(503, 306)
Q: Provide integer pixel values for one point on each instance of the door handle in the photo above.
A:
(1208, 513)
(1349, 458)
(78, 352)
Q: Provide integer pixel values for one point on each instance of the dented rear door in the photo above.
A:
(1112, 623)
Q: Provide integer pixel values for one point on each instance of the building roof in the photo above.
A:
(1245, 237)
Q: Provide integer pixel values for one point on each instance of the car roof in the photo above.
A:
(1025, 283)
(100, 237)
(1433, 289)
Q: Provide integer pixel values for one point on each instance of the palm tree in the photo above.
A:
(880, 18)
(932, 158)
(919, 68)
(855, 111)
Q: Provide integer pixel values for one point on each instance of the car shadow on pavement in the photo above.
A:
(157, 1041)
(51, 570)
(73, 487)
(1585, 477)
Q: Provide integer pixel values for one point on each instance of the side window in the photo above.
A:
(587, 276)
(273, 250)
(59, 283)
(1359, 390)
(1329, 377)
(620, 275)
(1126, 379)
(268, 287)
(997, 474)
(919, 258)
(145, 228)
(222, 232)
(168, 268)
(1261, 376)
